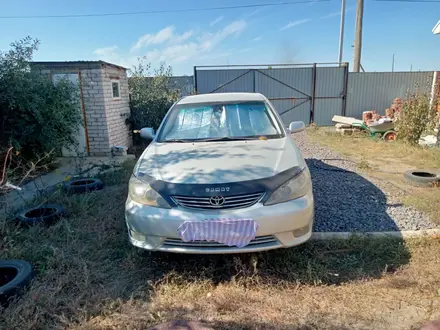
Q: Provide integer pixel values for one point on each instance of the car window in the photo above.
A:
(223, 120)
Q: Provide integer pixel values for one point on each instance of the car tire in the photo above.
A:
(44, 214)
(82, 185)
(423, 178)
(15, 275)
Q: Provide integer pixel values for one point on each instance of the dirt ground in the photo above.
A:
(89, 277)
(387, 161)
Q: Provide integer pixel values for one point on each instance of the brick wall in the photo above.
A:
(104, 115)
(117, 110)
(93, 86)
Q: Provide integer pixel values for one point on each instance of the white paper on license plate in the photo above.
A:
(231, 232)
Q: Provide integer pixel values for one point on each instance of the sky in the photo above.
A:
(297, 33)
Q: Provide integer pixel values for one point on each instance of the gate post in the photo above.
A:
(345, 91)
(312, 101)
(195, 80)
(254, 80)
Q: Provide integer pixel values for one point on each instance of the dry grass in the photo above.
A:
(387, 161)
(89, 277)
(378, 152)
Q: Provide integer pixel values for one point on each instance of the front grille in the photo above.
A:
(177, 242)
(230, 202)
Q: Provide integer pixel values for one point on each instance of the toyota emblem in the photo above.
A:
(217, 200)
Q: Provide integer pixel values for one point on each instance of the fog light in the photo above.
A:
(137, 236)
(301, 231)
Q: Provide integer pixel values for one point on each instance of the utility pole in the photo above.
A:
(358, 36)
(392, 65)
(341, 32)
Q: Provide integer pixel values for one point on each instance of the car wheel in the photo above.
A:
(423, 178)
(46, 214)
(15, 275)
(82, 185)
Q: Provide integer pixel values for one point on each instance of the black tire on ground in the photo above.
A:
(15, 275)
(423, 177)
(82, 185)
(45, 214)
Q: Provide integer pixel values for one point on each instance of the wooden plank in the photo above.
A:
(346, 120)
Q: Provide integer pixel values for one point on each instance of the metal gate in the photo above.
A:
(312, 93)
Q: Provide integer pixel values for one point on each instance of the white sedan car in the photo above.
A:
(222, 175)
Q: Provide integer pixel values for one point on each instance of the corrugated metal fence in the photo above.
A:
(185, 84)
(291, 102)
(313, 93)
(376, 90)
(304, 92)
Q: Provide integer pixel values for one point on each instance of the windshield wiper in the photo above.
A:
(177, 140)
(228, 138)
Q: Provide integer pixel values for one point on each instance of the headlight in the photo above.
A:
(292, 189)
(141, 192)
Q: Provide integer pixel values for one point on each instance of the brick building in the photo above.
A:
(103, 89)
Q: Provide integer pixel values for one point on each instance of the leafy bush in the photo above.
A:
(151, 94)
(36, 117)
(417, 116)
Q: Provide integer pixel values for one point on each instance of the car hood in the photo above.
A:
(218, 162)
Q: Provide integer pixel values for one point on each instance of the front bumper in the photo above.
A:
(280, 226)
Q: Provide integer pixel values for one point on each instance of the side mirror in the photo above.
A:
(147, 133)
(296, 126)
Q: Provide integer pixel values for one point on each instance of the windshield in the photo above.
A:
(238, 120)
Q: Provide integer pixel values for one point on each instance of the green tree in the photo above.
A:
(36, 116)
(151, 94)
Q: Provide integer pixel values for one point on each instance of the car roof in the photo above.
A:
(221, 97)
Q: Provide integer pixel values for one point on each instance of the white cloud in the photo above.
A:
(217, 20)
(215, 56)
(233, 28)
(295, 23)
(166, 45)
(177, 52)
(112, 55)
(180, 53)
(253, 12)
(154, 55)
(336, 13)
(154, 39)
(257, 38)
(205, 44)
(166, 34)
(244, 50)
(209, 40)
(183, 37)
(106, 51)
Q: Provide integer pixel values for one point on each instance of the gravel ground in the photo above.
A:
(351, 201)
